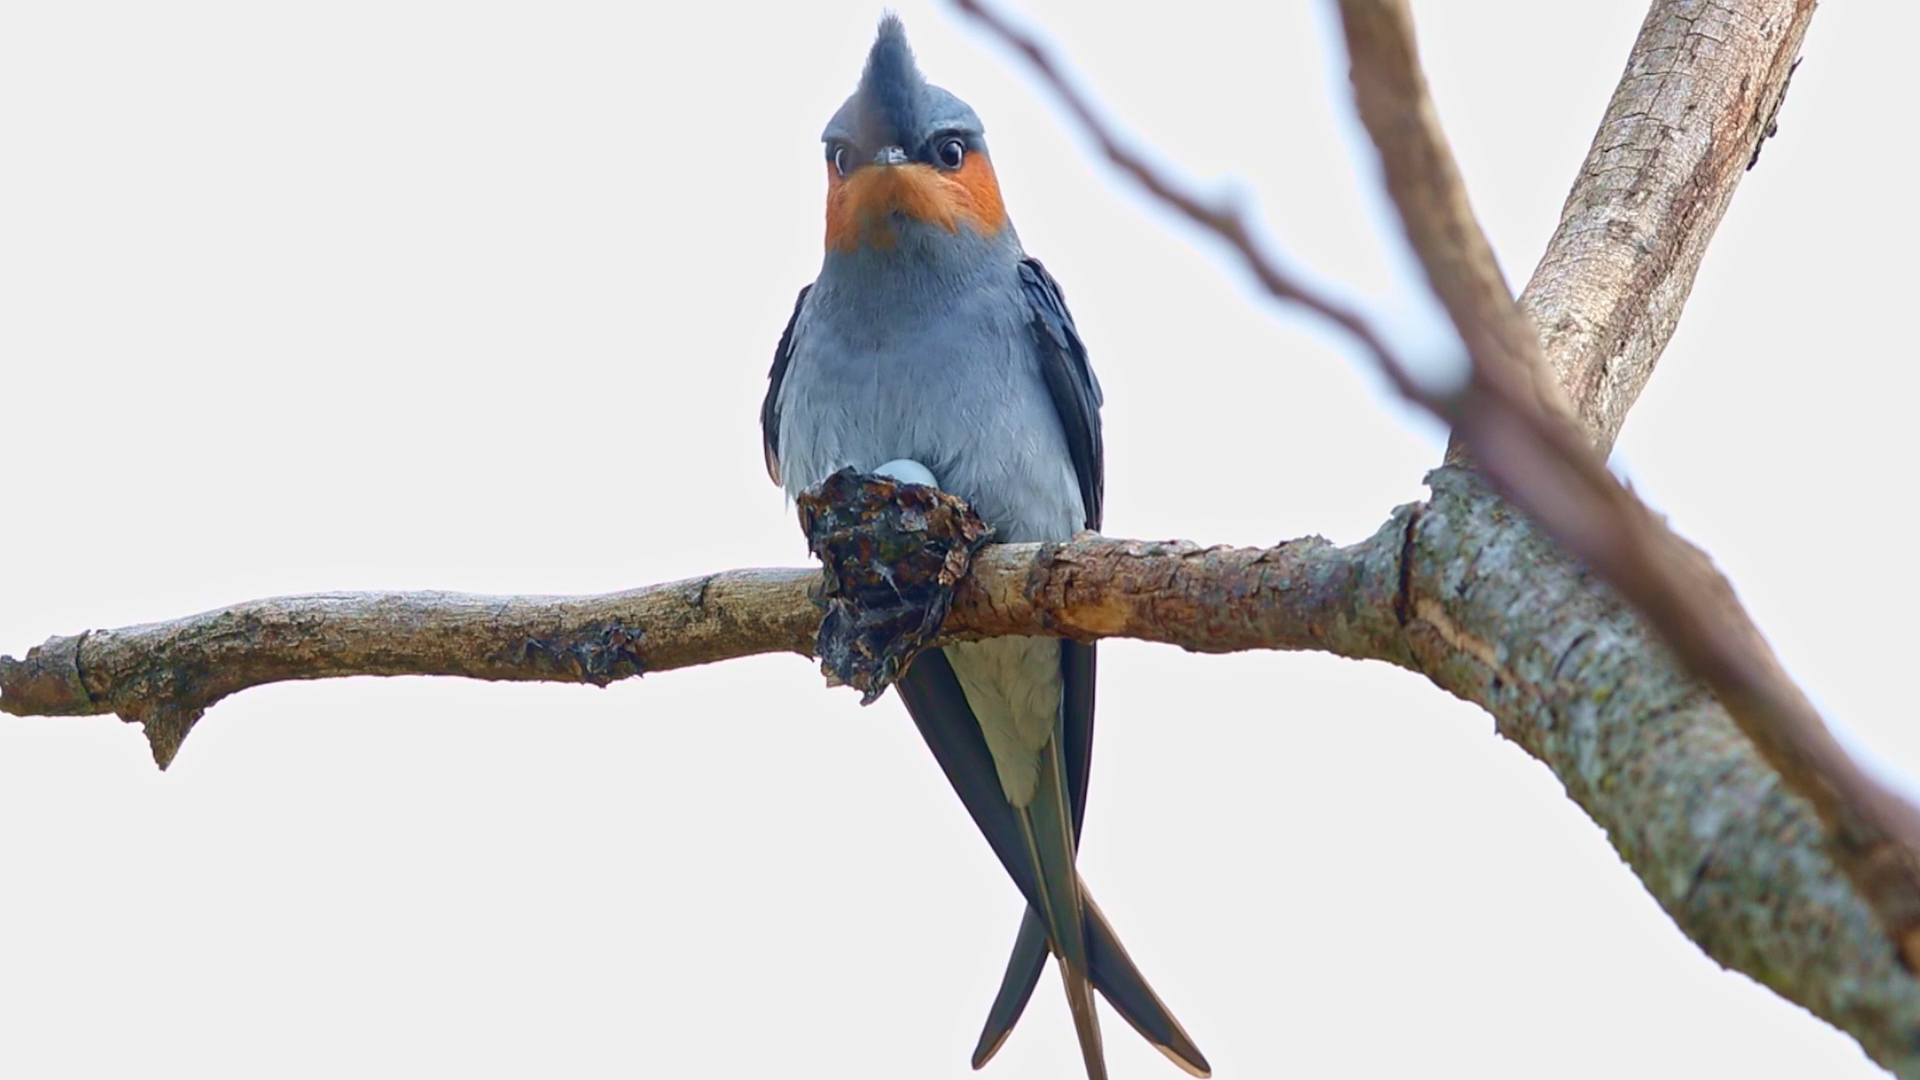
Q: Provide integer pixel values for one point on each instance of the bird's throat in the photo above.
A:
(863, 209)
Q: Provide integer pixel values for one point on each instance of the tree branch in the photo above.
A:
(1521, 437)
(1513, 421)
(1701, 92)
(1305, 594)
(1499, 616)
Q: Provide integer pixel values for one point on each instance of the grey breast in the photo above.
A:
(925, 352)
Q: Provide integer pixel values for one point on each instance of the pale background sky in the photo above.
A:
(482, 296)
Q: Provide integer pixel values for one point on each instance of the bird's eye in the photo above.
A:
(950, 153)
(842, 159)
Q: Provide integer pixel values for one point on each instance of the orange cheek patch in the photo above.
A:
(985, 211)
(858, 206)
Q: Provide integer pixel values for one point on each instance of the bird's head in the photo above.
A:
(904, 150)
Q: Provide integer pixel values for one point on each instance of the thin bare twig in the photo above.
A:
(1223, 220)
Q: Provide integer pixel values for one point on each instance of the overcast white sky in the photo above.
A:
(404, 294)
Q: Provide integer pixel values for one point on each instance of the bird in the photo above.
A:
(933, 350)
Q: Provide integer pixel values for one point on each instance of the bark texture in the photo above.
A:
(1513, 420)
(165, 675)
(1305, 594)
(1701, 92)
(1520, 434)
(1499, 616)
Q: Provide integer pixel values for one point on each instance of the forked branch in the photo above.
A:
(1521, 433)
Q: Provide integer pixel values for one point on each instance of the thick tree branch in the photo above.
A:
(1520, 436)
(1499, 616)
(1701, 92)
(1730, 67)
(1512, 420)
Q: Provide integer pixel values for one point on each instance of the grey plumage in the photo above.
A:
(925, 352)
(946, 346)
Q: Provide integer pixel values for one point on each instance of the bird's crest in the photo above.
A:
(891, 88)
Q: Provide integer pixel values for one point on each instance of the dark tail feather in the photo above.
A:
(1016, 987)
(1029, 957)
(1111, 970)
(1048, 824)
(1086, 1019)
(938, 707)
(1114, 975)
(1121, 983)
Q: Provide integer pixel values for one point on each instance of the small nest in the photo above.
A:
(893, 554)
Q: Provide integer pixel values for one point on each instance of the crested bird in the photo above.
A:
(932, 349)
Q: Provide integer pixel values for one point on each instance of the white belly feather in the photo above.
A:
(1013, 685)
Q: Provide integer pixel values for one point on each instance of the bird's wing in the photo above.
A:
(1070, 380)
(939, 709)
(1076, 399)
(770, 408)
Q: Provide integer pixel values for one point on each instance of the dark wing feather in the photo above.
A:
(939, 709)
(1076, 399)
(1076, 393)
(770, 408)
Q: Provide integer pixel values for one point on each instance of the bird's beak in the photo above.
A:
(890, 155)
